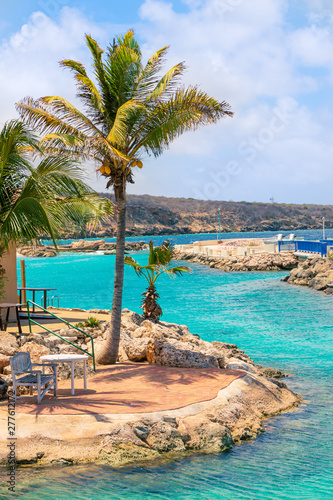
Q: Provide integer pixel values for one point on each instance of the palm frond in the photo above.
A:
(26, 221)
(186, 110)
(87, 91)
(177, 271)
(109, 104)
(148, 78)
(131, 110)
(68, 113)
(164, 87)
(69, 141)
(42, 199)
(41, 118)
(122, 70)
(119, 132)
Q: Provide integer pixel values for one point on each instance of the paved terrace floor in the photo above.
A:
(123, 388)
(131, 388)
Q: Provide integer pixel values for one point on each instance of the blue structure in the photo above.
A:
(316, 247)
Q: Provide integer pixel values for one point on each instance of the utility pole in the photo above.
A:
(324, 228)
(219, 223)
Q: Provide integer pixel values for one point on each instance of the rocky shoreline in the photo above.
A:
(236, 414)
(79, 246)
(257, 262)
(315, 272)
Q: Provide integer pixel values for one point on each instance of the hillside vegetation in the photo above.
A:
(148, 215)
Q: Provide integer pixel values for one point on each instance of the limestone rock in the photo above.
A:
(122, 355)
(271, 372)
(38, 251)
(167, 354)
(318, 283)
(238, 365)
(124, 453)
(206, 435)
(36, 351)
(64, 370)
(277, 382)
(130, 317)
(316, 272)
(157, 330)
(231, 352)
(4, 361)
(136, 349)
(209, 350)
(164, 437)
(8, 344)
(142, 431)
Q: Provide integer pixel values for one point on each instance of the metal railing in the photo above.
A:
(31, 320)
(316, 247)
(50, 301)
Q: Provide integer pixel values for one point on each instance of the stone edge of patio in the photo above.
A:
(236, 413)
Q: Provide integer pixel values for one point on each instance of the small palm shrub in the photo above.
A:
(89, 323)
(158, 264)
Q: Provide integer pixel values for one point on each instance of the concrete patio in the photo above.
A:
(130, 388)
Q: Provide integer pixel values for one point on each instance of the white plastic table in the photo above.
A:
(63, 358)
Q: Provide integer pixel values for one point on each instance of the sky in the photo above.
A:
(271, 60)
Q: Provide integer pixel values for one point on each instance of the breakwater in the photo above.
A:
(259, 262)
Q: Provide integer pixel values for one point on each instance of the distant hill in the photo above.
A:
(148, 215)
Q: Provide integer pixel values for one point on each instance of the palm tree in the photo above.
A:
(129, 112)
(42, 199)
(158, 264)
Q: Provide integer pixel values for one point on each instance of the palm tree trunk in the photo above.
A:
(109, 353)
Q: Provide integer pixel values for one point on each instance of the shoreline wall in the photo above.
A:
(257, 262)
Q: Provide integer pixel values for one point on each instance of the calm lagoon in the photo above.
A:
(277, 324)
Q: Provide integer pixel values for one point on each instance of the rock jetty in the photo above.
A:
(37, 251)
(315, 272)
(236, 414)
(79, 246)
(257, 262)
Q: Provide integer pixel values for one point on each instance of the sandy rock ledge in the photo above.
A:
(236, 414)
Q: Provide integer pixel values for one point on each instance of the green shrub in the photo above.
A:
(92, 322)
(89, 323)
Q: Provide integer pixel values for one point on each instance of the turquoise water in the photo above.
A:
(309, 234)
(279, 325)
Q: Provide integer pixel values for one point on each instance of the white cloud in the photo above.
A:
(29, 60)
(245, 52)
(242, 52)
(313, 46)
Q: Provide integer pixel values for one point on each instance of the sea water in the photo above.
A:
(277, 324)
